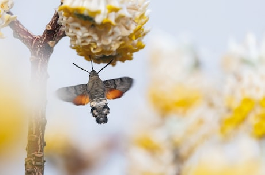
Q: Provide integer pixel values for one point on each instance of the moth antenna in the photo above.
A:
(105, 66)
(80, 68)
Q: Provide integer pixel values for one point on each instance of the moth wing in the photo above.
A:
(115, 88)
(75, 94)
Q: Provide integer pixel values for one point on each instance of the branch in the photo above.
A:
(42, 45)
(51, 35)
(41, 48)
(21, 33)
(54, 32)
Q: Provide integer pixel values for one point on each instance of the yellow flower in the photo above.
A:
(262, 102)
(105, 29)
(179, 98)
(259, 121)
(259, 128)
(244, 168)
(5, 19)
(148, 143)
(244, 95)
(12, 118)
(238, 115)
(152, 173)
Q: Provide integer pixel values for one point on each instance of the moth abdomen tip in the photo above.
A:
(102, 120)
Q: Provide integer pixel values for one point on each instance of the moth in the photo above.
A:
(96, 92)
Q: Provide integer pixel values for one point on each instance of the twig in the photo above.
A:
(21, 33)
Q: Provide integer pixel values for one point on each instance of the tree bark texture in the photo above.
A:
(41, 48)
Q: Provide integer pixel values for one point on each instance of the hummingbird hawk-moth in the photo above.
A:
(96, 92)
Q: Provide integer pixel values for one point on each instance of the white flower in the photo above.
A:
(246, 84)
(6, 5)
(5, 19)
(245, 55)
(174, 62)
(103, 29)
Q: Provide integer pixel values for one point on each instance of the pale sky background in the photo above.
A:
(209, 24)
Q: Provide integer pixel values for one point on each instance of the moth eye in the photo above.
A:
(101, 120)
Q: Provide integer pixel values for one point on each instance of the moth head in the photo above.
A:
(93, 73)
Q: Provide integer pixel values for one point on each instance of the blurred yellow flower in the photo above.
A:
(238, 115)
(57, 143)
(244, 94)
(178, 99)
(5, 19)
(152, 173)
(197, 110)
(12, 118)
(148, 143)
(259, 125)
(262, 102)
(244, 168)
(259, 120)
(105, 29)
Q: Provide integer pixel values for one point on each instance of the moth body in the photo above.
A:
(96, 92)
(95, 87)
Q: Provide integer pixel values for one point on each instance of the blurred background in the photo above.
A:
(197, 105)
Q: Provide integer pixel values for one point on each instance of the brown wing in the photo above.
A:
(75, 94)
(115, 88)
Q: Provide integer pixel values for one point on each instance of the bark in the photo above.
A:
(41, 48)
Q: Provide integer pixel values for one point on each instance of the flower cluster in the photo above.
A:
(244, 89)
(244, 56)
(103, 30)
(175, 84)
(5, 19)
(185, 107)
(181, 133)
(151, 153)
(244, 100)
(165, 102)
